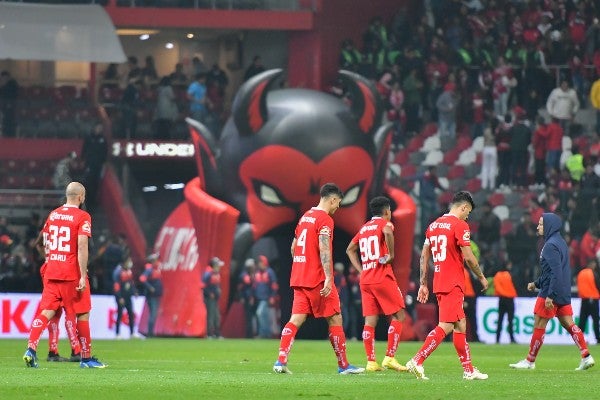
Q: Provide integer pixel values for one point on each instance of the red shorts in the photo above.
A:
(309, 301)
(451, 305)
(65, 294)
(384, 298)
(558, 310)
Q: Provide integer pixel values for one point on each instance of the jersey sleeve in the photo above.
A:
(85, 227)
(462, 234)
(325, 227)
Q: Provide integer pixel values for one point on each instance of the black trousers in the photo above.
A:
(589, 308)
(506, 306)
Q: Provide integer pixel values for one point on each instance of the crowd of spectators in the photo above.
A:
(516, 73)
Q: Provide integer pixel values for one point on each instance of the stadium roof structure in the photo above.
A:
(58, 33)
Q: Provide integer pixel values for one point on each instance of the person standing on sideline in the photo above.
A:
(588, 282)
(554, 297)
(312, 280)
(379, 289)
(66, 234)
(265, 290)
(124, 288)
(152, 282)
(246, 292)
(506, 292)
(212, 293)
(448, 244)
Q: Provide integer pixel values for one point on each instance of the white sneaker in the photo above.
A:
(119, 337)
(137, 335)
(523, 364)
(586, 363)
(475, 375)
(416, 370)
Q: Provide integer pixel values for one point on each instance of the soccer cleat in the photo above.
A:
(586, 363)
(372, 366)
(30, 358)
(392, 363)
(523, 364)
(75, 357)
(475, 375)
(416, 370)
(281, 368)
(91, 362)
(55, 357)
(350, 370)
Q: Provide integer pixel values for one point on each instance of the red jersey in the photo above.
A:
(307, 270)
(445, 236)
(372, 246)
(61, 232)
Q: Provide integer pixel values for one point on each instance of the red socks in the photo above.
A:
(288, 333)
(463, 351)
(368, 337)
(38, 325)
(435, 337)
(394, 332)
(83, 330)
(537, 340)
(71, 326)
(579, 340)
(338, 342)
(53, 333)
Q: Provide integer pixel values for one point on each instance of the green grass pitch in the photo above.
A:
(241, 369)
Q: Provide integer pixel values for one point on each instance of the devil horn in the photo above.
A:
(366, 102)
(250, 104)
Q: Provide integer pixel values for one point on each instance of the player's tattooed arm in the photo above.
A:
(424, 264)
(325, 253)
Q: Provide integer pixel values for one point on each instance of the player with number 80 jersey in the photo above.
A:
(445, 236)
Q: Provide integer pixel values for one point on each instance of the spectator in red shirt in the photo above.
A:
(553, 145)
(540, 136)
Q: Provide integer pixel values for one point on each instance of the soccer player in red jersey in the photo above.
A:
(53, 324)
(66, 234)
(312, 280)
(378, 287)
(448, 244)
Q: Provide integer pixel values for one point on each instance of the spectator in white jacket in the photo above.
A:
(563, 105)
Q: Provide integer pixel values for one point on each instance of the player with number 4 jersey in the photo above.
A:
(378, 287)
(448, 245)
(312, 280)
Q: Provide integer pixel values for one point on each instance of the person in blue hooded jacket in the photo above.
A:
(554, 297)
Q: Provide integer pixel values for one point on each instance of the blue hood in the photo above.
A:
(552, 225)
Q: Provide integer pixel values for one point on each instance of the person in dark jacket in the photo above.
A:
(152, 282)
(554, 297)
(212, 293)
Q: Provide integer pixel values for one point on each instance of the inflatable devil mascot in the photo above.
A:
(274, 153)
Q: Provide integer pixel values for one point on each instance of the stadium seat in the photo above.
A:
(445, 198)
(408, 171)
(501, 212)
(444, 182)
(433, 157)
(496, 199)
(473, 185)
(467, 157)
(402, 157)
(477, 144)
(456, 171)
(451, 156)
(431, 143)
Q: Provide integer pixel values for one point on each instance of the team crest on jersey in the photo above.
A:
(325, 230)
(86, 227)
(467, 236)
